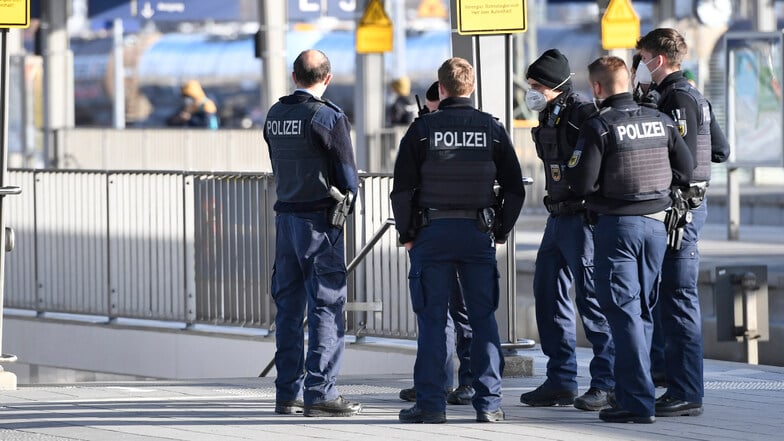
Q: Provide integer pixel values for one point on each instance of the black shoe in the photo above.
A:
(461, 395)
(667, 406)
(408, 395)
(659, 379)
(289, 407)
(490, 417)
(617, 415)
(543, 397)
(593, 399)
(416, 415)
(339, 407)
(611, 399)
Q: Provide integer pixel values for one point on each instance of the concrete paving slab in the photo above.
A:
(741, 402)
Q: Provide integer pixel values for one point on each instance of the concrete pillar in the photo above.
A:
(276, 74)
(369, 100)
(58, 73)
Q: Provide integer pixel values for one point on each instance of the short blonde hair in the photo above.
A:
(456, 76)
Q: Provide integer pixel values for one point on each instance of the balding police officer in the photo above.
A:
(661, 52)
(625, 161)
(449, 219)
(565, 255)
(313, 160)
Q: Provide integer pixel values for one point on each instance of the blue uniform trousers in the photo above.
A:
(657, 343)
(565, 257)
(442, 251)
(459, 337)
(629, 254)
(681, 318)
(309, 272)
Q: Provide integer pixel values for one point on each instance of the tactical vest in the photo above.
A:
(636, 162)
(458, 171)
(301, 169)
(553, 148)
(703, 170)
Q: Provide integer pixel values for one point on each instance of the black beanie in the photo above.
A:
(432, 92)
(551, 69)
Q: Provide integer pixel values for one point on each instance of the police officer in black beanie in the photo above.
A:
(565, 255)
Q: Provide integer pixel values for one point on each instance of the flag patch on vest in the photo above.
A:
(679, 116)
(555, 172)
(575, 158)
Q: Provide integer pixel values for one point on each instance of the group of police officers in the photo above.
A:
(614, 171)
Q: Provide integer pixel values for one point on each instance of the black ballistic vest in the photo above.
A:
(458, 171)
(553, 148)
(301, 169)
(636, 163)
(703, 170)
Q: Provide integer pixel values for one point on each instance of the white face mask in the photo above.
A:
(535, 100)
(648, 68)
(642, 75)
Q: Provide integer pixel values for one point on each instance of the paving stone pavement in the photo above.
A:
(742, 402)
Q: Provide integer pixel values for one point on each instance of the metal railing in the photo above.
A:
(185, 247)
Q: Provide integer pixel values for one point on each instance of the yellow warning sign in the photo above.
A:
(620, 25)
(432, 9)
(14, 13)
(374, 32)
(476, 17)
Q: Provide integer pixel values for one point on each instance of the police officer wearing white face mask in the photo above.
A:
(565, 255)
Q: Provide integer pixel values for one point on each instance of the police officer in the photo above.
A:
(458, 330)
(645, 95)
(565, 255)
(310, 148)
(444, 176)
(625, 161)
(661, 51)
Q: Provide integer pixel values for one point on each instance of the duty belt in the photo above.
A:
(565, 207)
(433, 213)
(659, 215)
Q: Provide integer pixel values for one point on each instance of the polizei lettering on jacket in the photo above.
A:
(284, 127)
(640, 130)
(457, 139)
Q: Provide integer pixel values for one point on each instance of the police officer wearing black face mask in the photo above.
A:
(565, 255)
(662, 51)
(449, 218)
(313, 161)
(625, 161)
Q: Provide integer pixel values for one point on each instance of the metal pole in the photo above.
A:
(7, 381)
(119, 74)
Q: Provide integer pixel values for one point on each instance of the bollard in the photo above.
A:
(741, 299)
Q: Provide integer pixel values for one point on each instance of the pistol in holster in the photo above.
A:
(678, 216)
(341, 210)
(486, 219)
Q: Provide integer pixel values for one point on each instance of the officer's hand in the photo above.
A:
(409, 245)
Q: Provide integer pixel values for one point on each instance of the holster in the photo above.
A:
(678, 216)
(486, 219)
(695, 195)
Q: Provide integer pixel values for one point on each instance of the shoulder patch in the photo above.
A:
(333, 105)
(575, 159)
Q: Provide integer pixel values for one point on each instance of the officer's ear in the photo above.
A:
(327, 79)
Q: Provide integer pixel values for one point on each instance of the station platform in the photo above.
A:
(741, 402)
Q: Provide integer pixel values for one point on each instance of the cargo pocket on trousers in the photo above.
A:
(331, 278)
(416, 289)
(588, 280)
